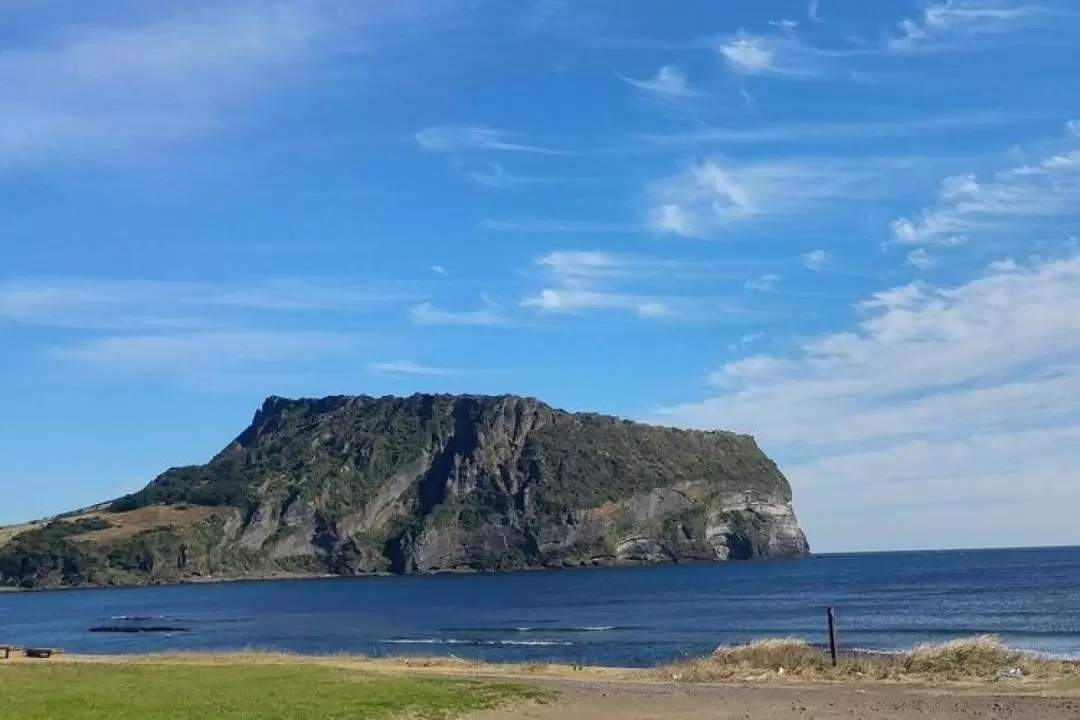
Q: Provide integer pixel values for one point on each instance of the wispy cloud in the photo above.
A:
(557, 226)
(937, 387)
(427, 314)
(146, 304)
(406, 369)
(781, 55)
(582, 280)
(1046, 190)
(919, 258)
(126, 304)
(801, 132)
(476, 138)
(765, 283)
(816, 260)
(194, 354)
(494, 175)
(917, 350)
(570, 300)
(669, 83)
(947, 24)
(708, 196)
(117, 93)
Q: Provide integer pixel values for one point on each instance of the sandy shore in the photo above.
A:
(596, 700)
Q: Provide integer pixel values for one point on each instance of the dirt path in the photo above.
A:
(598, 700)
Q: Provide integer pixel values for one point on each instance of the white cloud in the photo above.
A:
(145, 304)
(921, 259)
(556, 226)
(670, 82)
(204, 335)
(438, 269)
(428, 314)
(955, 392)
(813, 10)
(476, 138)
(943, 23)
(764, 283)
(816, 260)
(193, 354)
(1046, 190)
(570, 300)
(706, 197)
(700, 200)
(587, 280)
(115, 93)
(590, 264)
(781, 56)
(493, 175)
(405, 369)
(796, 133)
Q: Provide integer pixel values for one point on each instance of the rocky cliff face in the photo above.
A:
(352, 485)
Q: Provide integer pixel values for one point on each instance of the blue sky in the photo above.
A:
(848, 228)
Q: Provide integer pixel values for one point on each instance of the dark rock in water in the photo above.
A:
(428, 483)
(141, 624)
(138, 629)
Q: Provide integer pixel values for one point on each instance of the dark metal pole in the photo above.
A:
(832, 635)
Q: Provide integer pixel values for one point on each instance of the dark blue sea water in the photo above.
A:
(625, 616)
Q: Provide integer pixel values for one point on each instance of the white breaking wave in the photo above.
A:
(452, 641)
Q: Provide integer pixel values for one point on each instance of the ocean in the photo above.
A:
(602, 616)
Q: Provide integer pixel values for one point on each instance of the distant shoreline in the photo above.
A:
(967, 660)
(620, 564)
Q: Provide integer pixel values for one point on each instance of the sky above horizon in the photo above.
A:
(847, 228)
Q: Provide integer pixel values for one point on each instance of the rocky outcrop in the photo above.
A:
(429, 483)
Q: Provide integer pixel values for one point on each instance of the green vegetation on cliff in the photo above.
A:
(350, 485)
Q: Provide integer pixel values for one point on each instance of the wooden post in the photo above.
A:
(832, 635)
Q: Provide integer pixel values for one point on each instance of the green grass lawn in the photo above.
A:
(254, 692)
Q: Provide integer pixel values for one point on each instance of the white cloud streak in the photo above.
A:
(815, 260)
(193, 354)
(1046, 190)
(475, 138)
(779, 56)
(428, 314)
(556, 226)
(116, 94)
(669, 83)
(919, 258)
(708, 196)
(765, 283)
(796, 132)
(400, 369)
(582, 280)
(144, 304)
(949, 24)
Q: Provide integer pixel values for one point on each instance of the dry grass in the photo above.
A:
(10, 532)
(978, 659)
(394, 665)
(129, 524)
